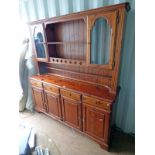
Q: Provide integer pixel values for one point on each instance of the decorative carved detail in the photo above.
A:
(67, 61)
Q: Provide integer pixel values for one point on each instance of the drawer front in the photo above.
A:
(96, 102)
(51, 88)
(36, 83)
(70, 94)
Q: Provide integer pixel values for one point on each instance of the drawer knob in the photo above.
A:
(101, 119)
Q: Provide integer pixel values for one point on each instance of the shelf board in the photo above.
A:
(67, 42)
(42, 59)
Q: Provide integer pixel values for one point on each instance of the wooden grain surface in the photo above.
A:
(79, 86)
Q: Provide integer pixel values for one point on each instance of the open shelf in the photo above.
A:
(67, 51)
(67, 40)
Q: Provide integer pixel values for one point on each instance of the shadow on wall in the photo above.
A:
(124, 107)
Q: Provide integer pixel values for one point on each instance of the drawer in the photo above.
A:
(36, 83)
(70, 94)
(96, 102)
(51, 88)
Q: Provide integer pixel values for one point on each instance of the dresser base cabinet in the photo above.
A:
(38, 98)
(95, 124)
(71, 112)
(87, 114)
(53, 105)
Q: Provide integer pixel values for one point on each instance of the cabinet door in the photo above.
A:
(39, 42)
(93, 122)
(38, 97)
(71, 112)
(101, 33)
(53, 104)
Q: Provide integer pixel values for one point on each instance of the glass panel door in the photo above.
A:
(100, 42)
(39, 41)
(101, 34)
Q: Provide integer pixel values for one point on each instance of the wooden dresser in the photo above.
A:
(77, 57)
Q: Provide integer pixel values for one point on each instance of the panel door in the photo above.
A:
(38, 97)
(53, 104)
(101, 33)
(39, 42)
(93, 122)
(71, 112)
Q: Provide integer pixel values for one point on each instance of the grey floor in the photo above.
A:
(62, 140)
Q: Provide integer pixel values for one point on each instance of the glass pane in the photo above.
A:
(38, 40)
(100, 42)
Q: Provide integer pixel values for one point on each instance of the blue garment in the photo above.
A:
(39, 49)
